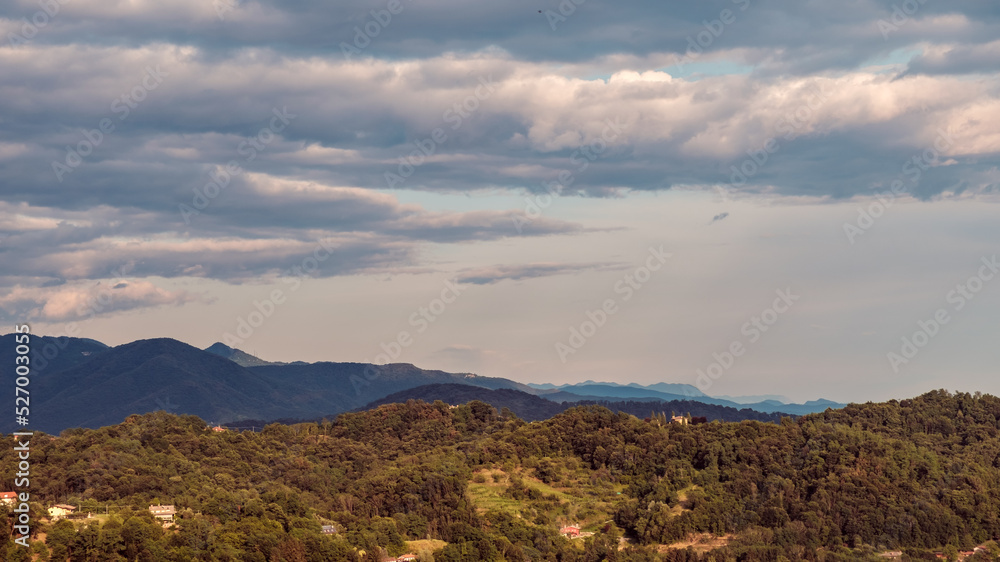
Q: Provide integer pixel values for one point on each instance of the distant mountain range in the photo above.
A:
(598, 391)
(532, 408)
(83, 383)
(667, 388)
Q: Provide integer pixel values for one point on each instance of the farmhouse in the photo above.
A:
(570, 531)
(60, 510)
(164, 513)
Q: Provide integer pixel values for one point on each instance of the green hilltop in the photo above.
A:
(447, 483)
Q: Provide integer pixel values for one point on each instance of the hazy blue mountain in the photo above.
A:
(755, 398)
(237, 356)
(618, 391)
(84, 383)
(591, 390)
(146, 376)
(597, 393)
(525, 406)
(531, 408)
(49, 354)
(96, 386)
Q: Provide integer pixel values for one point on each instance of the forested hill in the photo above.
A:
(921, 476)
(533, 408)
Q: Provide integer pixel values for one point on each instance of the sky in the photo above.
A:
(748, 196)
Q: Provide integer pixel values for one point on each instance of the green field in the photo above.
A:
(574, 500)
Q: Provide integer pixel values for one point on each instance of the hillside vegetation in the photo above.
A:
(920, 475)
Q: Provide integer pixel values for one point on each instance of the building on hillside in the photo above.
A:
(164, 513)
(218, 428)
(8, 498)
(329, 530)
(60, 510)
(570, 531)
(683, 420)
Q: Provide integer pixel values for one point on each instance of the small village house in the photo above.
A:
(570, 531)
(163, 513)
(60, 510)
(8, 498)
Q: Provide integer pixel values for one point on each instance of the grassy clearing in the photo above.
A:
(488, 495)
(699, 542)
(428, 545)
(570, 499)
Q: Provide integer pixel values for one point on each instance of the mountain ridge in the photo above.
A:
(84, 383)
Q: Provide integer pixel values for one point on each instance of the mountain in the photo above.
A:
(237, 356)
(587, 391)
(525, 406)
(533, 408)
(87, 384)
(616, 389)
(755, 398)
(146, 376)
(672, 388)
(603, 391)
(84, 383)
(49, 354)
(600, 392)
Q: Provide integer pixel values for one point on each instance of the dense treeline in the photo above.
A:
(920, 475)
(534, 408)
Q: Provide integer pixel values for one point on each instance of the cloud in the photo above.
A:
(356, 122)
(517, 272)
(145, 108)
(719, 217)
(957, 59)
(243, 237)
(81, 301)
